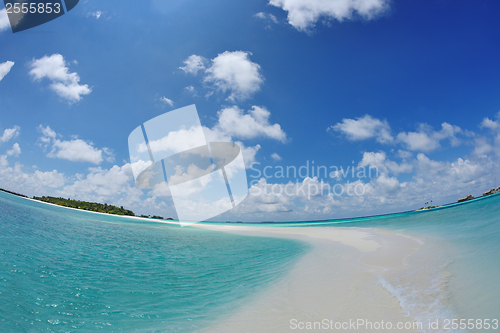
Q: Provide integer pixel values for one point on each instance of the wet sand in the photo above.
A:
(330, 288)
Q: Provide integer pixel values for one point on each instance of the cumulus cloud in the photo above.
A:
(231, 72)
(5, 68)
(380, 161)
(193, 64)
(234, 72)
(303, 14)
(64, 83)
(4, 20)
(313, 198)
(276, 157)
(52, 179)
(75, 150)
(10, 133)
(363, 128)
(14, 178)
(484, 145)
(427, 140)
(99, 185)
(233, 121)
(15, 151)
(167, 101)
(3, 161)
(103, 182)
(491, 124)
(420, 141)
(215, 134)
(248, 153)
(404, 154)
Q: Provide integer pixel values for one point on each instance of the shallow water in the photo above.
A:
(65, 270)
(455, 274)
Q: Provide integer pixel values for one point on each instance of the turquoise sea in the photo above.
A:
(66, 270)
(456, 274)
(63, 270)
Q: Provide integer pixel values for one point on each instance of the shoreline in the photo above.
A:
(343, 278)
(106, 214)
(282, 223)
(350, 273)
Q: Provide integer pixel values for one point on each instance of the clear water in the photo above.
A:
(460, 260)
(64, 270)
(455, 274)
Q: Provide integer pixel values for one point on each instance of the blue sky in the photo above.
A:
(408, 87)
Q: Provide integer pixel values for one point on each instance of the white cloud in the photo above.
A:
(427, 140)
(217, 135)
(312, 198)
(231, 72)
(267, 17)
(190, 89)
(481, 146)
(384, 165)
(75, 150)
(52, 179)
(373, 159)
(484, 145)
(276, 157)
(255, 123)
(364, 128)
(194, 63)
(65, 84)
(3, 161)
(99, 185)
(387, 184)
(15, 151)
(167, 101)
(96, 14)
(248, 153)
(261, 198)
(15, 179)
(261, 15)
(104, 183)
(418, 141)
(4, 20)
(404, 154)
(303, 14)
(5, 68)
(10, 133)
(491, 124)
(235, 72)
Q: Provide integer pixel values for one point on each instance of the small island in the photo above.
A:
(463, 199)
(485, 193)
(91, 206)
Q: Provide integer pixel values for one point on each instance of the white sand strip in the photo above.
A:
(335, 283)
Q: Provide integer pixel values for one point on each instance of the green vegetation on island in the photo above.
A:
(427, 207)
(91, 206)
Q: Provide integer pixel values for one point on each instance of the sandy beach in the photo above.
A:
(334, 285)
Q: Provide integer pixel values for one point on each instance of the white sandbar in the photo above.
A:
(336, 282)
